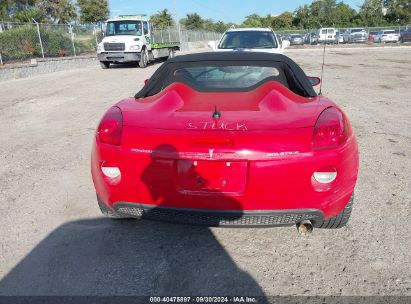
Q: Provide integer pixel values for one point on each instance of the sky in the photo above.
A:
(225, 10)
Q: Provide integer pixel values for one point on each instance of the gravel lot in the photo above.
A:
(53, 240)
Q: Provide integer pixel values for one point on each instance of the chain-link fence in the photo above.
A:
(20, 42)
(193, 36)
(182, 35)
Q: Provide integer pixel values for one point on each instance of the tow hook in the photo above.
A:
(305, 227)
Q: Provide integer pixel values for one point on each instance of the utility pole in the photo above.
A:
(177, 21)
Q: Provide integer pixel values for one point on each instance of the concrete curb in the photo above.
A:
(44, 66)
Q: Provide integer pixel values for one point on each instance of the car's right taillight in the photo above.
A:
(330, 130)
(110, 127)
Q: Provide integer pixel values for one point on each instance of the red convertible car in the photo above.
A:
(227, 139)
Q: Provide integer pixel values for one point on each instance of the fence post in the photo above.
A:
(38, 32)
(1, 59)
(95, 34)
(72, 39)
(179, 32)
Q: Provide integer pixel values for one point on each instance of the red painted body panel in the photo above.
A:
(179, 107)
(258, 156)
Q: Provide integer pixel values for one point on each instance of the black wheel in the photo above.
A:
(108, 212)
(341, 219)
(105, 64)
(143, 60)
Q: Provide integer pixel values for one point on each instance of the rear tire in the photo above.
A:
(105, 64)
(341, 219)
(143, 60)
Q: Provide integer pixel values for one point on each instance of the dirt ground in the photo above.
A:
(53, 240)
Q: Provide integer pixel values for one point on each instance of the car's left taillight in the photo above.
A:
(330, 130)
(110, 127)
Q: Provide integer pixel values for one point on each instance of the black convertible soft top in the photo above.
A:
(295, 76)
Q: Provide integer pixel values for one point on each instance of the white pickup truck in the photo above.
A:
(132, 39)
(249, 39)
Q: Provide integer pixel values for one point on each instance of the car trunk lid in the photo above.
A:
(271, 106)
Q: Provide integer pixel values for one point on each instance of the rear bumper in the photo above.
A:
(214, 218)
(387, 39)
(153, 175)
(359, 39)
(297, 43)
(118, 56)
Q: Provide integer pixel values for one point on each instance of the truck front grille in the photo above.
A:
(114, 46)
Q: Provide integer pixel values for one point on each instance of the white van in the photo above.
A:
(326, 34)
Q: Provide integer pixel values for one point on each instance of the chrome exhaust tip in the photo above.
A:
(305, 227)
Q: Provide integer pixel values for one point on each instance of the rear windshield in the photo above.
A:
(389, 32)
(228, 72)
(356, 30)
(227, 77)
(248, 39)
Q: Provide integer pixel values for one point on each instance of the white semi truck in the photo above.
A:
(133, 39)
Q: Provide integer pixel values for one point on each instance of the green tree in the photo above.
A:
(283, 21)
(220, 27)
(208, 25)
(28, 15)
(302, 16)
(193, 21)
(93, 10)
(9, 8)
(345, 15)
(371, 14)
(162, 19)
(6, 7)
(57, 11)
(253, 20)
(324, 13)
(399, 12)
(328, 13)
(316, 13)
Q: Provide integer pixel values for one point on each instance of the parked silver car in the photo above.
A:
(355, 35)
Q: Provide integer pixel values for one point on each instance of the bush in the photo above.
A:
(23, 43)
(56, 43)
(85, 46)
